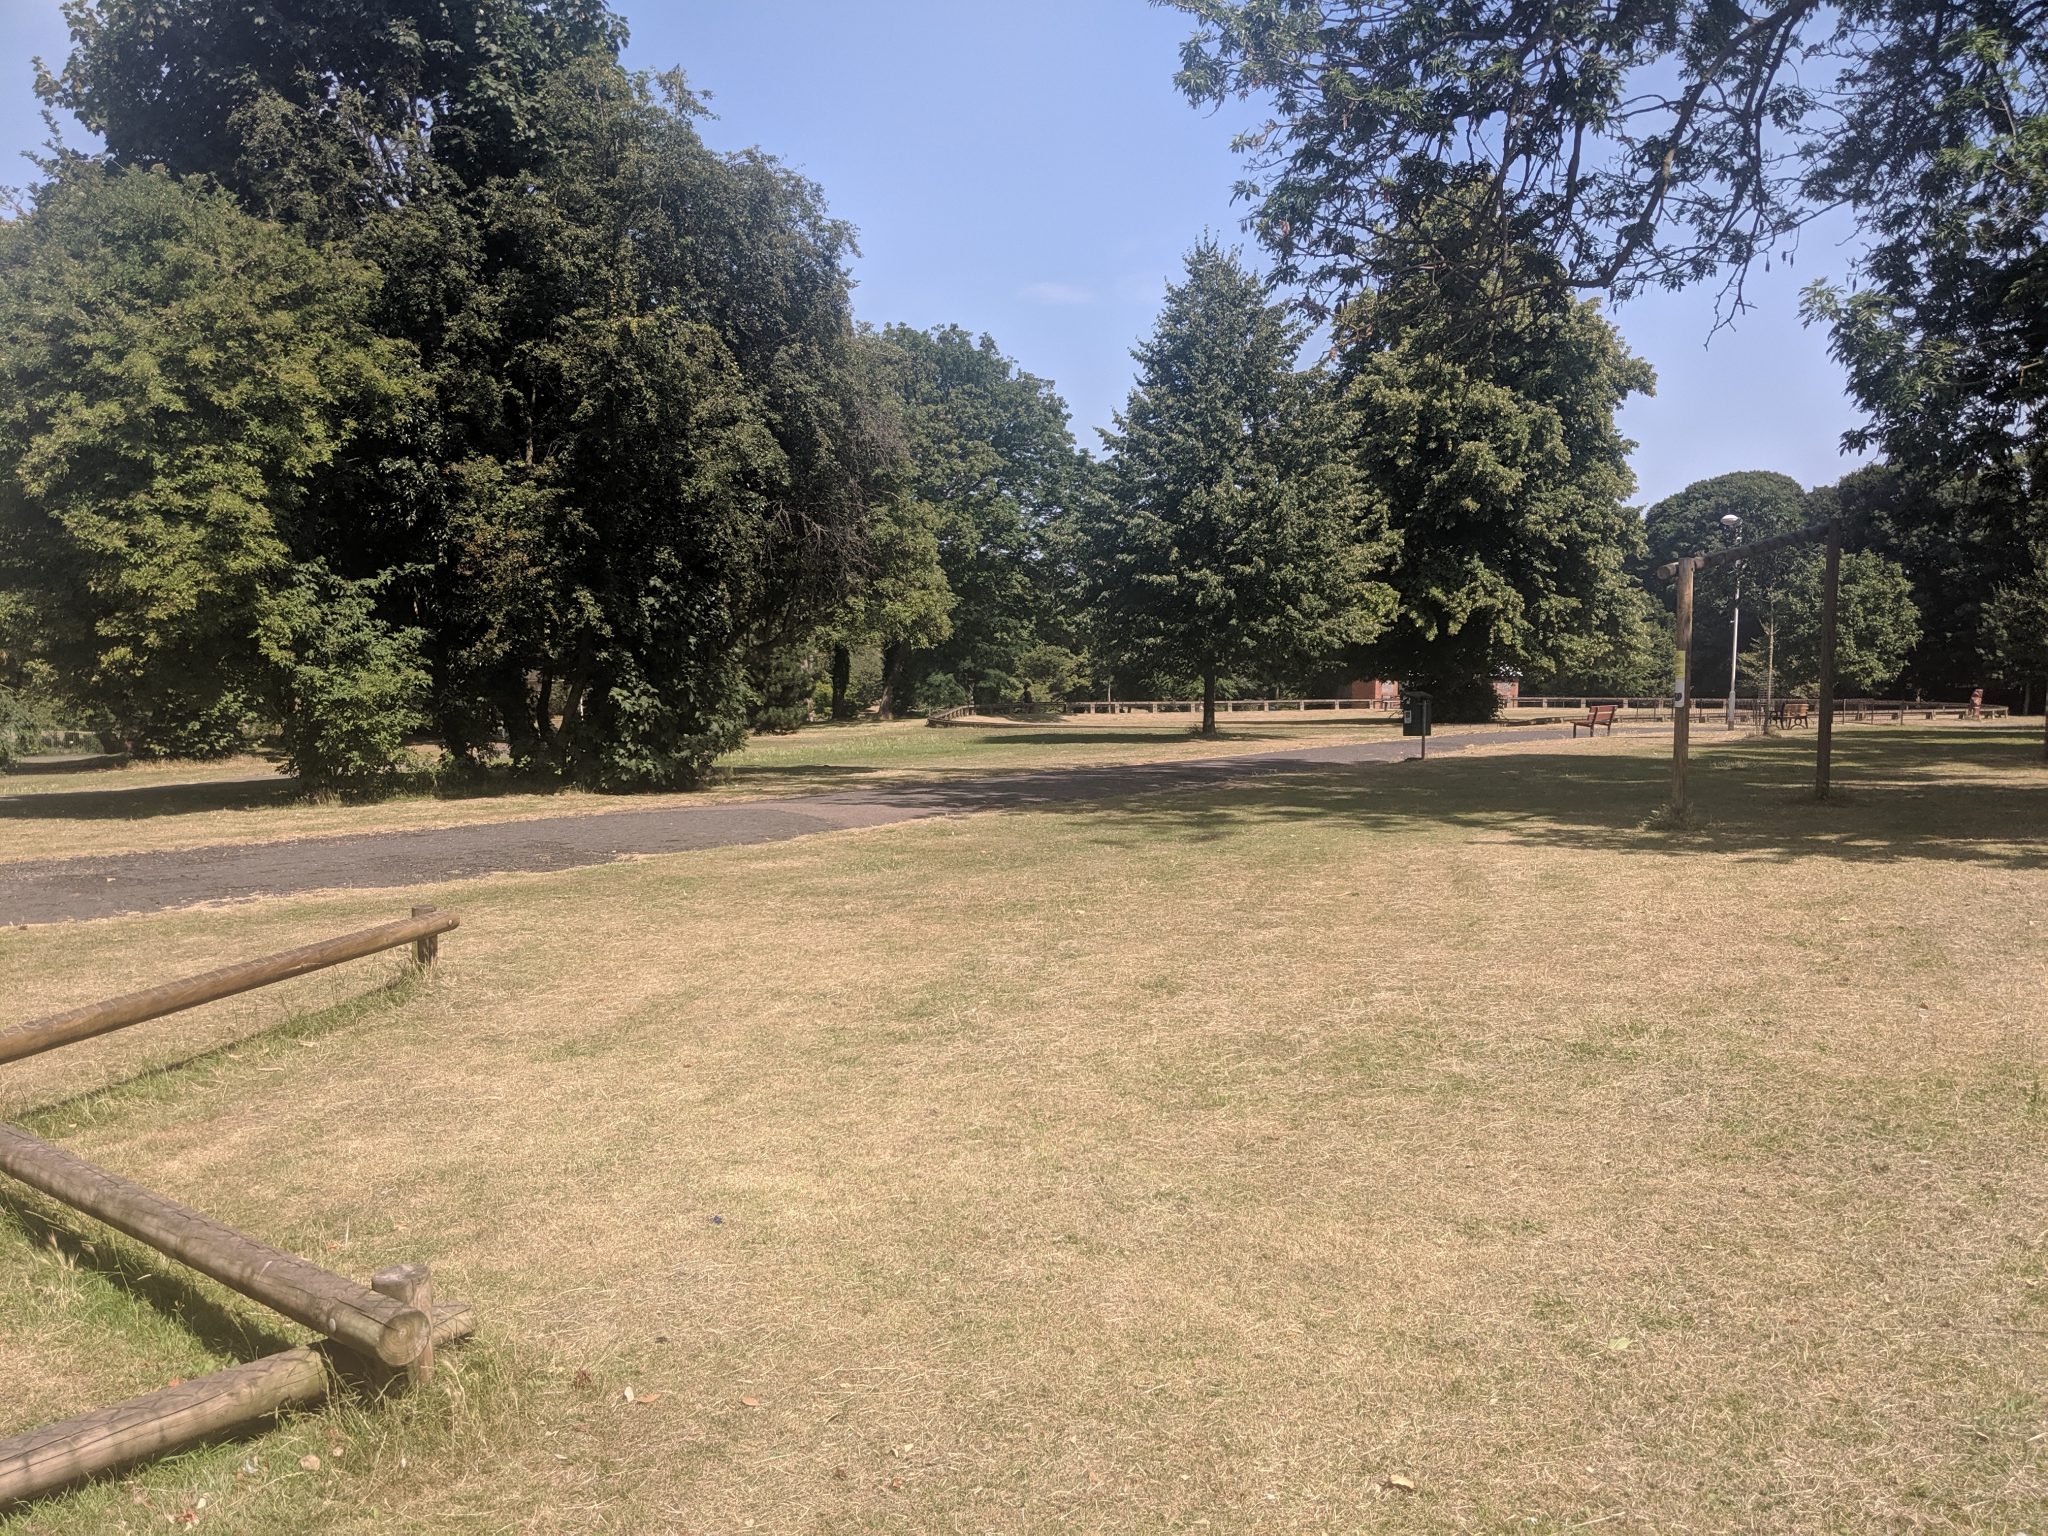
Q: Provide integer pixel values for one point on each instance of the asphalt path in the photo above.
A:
(113, 885)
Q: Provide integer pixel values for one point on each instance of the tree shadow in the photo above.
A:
(1959, 796)
(142, 801)
(1067, 737)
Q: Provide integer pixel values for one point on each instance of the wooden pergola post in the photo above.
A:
(1681, 713)
(1683, 569)
(1830, 602)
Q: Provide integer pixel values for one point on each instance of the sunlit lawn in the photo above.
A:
(1209, 1161)
(175, 805)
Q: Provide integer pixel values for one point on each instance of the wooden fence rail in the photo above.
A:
(392, 1323)
(157, 1423)
(38, 1035)
(354, 1314)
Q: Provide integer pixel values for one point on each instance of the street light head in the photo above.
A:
(1730, 521)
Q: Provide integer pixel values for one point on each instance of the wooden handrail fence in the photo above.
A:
(392, 1325)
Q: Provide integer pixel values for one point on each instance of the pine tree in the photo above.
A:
(1230, 533)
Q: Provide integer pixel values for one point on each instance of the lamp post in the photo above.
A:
(1734, 526)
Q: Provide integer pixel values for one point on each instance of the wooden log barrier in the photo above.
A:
(378, 1326)
(412, 1286)
(156, 1423)
(40, 1461)
(45, 1034)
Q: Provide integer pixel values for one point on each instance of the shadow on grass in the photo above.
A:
(1973, 796)
(160, 1080)
(143, 1274)
(1069, 736)
(147, 800)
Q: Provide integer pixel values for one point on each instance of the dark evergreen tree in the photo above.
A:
(1231, 532)
(649, 451)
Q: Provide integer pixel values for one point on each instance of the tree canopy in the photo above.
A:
(1230, 532)
(182, 389)
(647, 448)
(1633, 145)
(1482, 424)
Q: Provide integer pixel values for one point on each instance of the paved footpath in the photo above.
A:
(110, 885)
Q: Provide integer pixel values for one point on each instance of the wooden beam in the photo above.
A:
(1681, 714)
(1830, 606)
(1744, 551)
(45, 1034)
(46, 1459)
(352, 1314)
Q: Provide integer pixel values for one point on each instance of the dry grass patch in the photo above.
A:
(150, 806)
(1195, 1161)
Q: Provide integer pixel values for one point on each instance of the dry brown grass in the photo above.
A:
(1195, 1162)
(159, 805)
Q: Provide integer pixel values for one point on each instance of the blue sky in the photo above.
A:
(1029, 171)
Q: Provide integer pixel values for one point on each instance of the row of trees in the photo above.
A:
(1603, 150)
(425, 370)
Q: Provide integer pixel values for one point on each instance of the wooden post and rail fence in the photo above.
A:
(391, 1325)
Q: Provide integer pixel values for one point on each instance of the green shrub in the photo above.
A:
(353, 687)
(938, 690)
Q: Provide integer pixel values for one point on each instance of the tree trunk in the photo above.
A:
(515, 712)
(1209, 703)
(842, 679)
(892, 676)
(1770, 671)
(544, 706)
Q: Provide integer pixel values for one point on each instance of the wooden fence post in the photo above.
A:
(175, 996)
(1824, 732)
(411, 1285)
(352, 1314)
(1681, 720)
(427, 949)
(169, 1419)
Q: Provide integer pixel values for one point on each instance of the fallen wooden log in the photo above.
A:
(374, 1325)
(38, 1035)
(155, 1423)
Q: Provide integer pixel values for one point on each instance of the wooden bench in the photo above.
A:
(1795, 712)
(1596, 715)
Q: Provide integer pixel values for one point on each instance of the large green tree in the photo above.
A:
(991, 463)
(1482, 420)
(2016, 631)
(649, 453)
(181, 387)
(1231, 531)
(1670, 144)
